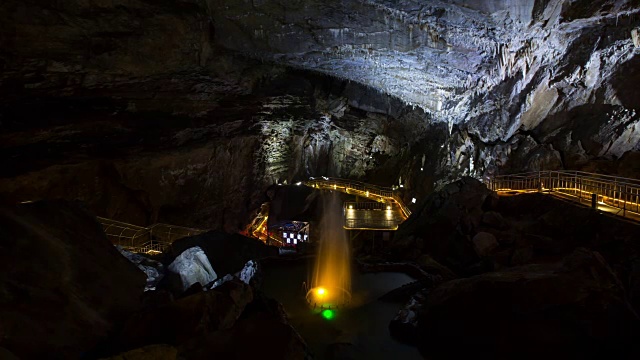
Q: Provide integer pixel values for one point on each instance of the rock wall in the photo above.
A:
(513, 81)
(153, 111)
(65, 288)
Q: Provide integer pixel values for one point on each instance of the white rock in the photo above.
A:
(248, 271)
(193, 266)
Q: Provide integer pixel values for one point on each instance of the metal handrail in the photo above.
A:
(614, 191)
(135, 238)
(386, 194)
(352, 224)
(366, 205)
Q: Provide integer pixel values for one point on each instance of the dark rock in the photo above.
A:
(254, 337)
(574, 308)
(192, 290)
(156, 298)
(7, 355)
(506, 238)
(262, 331)
(341, 351)
(443, 223)
(522, 256)
(484, 243)
(494, 220)
(404, 326)
(150, 352)
(543, 243)
(430, 265)
(64, 287)
(502, 258)
(187, 318)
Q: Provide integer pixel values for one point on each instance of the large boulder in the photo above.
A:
(193, 267)
(263, 331)
(484, 243)
(443, 224)
(575, 309)
(227, 253)
(63, 286)
(187, 318)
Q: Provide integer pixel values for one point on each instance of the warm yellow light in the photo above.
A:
(321, 291)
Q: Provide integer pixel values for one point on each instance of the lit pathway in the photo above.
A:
(614, 195)
(385, 211)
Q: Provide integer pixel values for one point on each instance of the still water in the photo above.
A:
(364, 324)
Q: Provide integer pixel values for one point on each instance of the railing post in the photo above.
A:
(579, 184)
(539, 181)
(550, 183)
(624, 202)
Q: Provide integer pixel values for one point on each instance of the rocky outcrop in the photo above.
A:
(187, 318)
(263, 325)
(573, 308)
(64, 287)
(227, 253)
(444, 224)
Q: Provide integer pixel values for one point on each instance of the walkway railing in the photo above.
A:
(371, 224)
(153, 239)
(378, 193)
(612, 191)
(366, 205)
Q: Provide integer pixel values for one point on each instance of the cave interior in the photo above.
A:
(215, 143)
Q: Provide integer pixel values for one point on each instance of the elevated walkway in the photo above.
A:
(612, 194)
(139, 239)
(385, 212)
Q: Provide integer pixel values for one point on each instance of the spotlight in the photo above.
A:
(321, 291)
(328, 314)
(413, 201)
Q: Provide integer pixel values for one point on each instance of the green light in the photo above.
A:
(328, 314)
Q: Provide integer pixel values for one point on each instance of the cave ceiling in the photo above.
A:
(482, 62)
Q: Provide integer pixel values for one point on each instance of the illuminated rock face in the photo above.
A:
(451, 88)
(501, 74)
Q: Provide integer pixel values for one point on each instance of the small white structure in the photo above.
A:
(193, 266)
